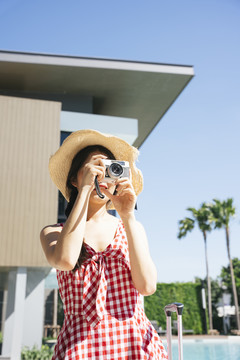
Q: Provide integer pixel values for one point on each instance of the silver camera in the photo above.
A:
(116, 169)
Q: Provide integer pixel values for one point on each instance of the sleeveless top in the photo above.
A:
(104, 315)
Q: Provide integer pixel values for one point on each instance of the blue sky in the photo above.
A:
(193, 154)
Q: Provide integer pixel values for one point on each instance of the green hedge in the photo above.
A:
(187, 293)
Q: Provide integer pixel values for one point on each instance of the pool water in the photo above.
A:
(208, 350)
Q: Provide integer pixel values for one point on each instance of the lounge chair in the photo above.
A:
(185, 331)
(158, 329)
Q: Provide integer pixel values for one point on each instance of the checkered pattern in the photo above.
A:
(104, 316)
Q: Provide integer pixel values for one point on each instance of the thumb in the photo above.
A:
(107, 193)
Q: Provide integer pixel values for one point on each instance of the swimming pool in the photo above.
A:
(228, 349)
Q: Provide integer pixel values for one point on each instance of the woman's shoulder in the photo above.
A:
(51, 228)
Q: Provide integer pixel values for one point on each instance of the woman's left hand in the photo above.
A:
(125, 199)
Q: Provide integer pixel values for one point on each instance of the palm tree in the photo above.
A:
(201, 217)
(222, 212)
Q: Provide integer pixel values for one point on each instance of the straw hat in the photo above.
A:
(60, 163)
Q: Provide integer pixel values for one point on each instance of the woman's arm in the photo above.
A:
(62, 248)
(143, 270)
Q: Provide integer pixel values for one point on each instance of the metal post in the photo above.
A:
(178, 308)
(180, 345)
(169, 336)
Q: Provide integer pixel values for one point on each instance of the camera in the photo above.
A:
(116, 169)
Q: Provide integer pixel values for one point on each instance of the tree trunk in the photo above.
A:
(208, 284)
(234, 289)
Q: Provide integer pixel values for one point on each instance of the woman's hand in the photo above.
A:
(93, 167)
(125, 199)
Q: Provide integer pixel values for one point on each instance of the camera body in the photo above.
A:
(116, 169)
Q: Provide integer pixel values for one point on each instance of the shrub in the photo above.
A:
(45, 353)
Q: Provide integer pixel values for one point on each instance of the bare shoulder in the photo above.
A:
(49, 236)
(50, 231)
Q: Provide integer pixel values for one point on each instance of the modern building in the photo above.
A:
(43, 98)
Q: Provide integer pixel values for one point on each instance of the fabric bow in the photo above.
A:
(95, 284)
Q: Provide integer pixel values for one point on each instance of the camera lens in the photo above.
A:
(115, 170)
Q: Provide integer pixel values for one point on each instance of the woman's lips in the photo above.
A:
(103, 186)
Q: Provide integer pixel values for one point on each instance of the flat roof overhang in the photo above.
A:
(139, 90)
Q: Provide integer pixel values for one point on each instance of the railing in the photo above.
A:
(51, 330)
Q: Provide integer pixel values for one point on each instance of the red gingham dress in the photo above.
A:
(104, 316)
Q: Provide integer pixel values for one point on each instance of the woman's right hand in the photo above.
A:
(94, 166)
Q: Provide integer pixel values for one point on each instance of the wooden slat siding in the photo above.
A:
(29, 134)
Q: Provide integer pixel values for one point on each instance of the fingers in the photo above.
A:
(122, 180)
(123, 184)
(127, 191)
(95, 169)
(100, 156)
(123, 187)
(96, 166)
(99, 172)
(99, 166)
(98, 159)
(107, 193)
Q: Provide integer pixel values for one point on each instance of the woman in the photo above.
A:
(103, 263)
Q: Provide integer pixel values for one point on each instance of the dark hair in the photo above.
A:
(77, 163)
